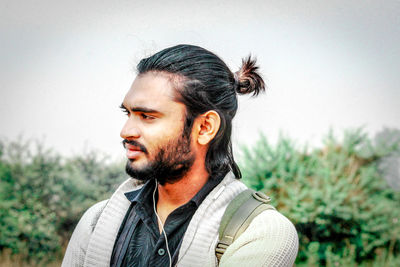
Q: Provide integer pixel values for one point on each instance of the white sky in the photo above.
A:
(65, 67)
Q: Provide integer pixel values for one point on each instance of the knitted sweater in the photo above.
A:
(270, 239)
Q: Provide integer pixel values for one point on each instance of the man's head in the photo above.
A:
(194, 89)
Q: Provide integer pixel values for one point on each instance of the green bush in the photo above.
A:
(42, 196)
(342, 207)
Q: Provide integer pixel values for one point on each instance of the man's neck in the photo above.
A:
(172, 196)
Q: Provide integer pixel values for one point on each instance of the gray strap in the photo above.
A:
(238, 216)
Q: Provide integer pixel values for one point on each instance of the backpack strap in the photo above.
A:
(238, 216)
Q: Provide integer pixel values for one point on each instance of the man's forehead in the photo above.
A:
(153, 83)
(151, 90)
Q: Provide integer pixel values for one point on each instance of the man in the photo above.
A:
(177, 139)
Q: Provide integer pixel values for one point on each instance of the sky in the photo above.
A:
(65, 66)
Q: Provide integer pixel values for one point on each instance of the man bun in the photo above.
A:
(247, 78)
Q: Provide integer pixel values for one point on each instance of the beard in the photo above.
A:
(170, 164)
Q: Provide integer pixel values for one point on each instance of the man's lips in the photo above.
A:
(132, 147)
(132, 154)
(132, 151)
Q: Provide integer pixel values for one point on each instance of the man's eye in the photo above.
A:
(146, 117)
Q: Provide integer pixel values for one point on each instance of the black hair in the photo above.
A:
(206, 83)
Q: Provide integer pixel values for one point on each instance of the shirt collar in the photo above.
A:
(206, 189)
(141, 194)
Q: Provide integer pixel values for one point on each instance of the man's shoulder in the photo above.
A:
(89, 219)
(273, 223)
(270, 240)
(77, 246)
(92, 214)
(85, 230)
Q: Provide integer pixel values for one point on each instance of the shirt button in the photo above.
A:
(161, 251)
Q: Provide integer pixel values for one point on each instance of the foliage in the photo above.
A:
(343, 209)
(42, 196)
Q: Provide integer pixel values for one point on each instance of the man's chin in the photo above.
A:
(142, 174)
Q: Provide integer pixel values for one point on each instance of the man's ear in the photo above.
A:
(207, 126)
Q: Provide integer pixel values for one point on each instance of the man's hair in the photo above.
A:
(204, 82)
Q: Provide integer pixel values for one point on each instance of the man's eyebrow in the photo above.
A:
(140, 109)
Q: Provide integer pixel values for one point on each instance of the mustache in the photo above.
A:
(134, 143)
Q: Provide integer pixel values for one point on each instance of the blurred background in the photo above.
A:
(323, 140)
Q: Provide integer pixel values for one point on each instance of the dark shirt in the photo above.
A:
(139, 241)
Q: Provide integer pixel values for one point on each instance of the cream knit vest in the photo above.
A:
(270, 240)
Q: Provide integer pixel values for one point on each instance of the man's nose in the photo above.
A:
(130, 130)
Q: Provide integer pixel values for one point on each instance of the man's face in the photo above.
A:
(156, 145)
